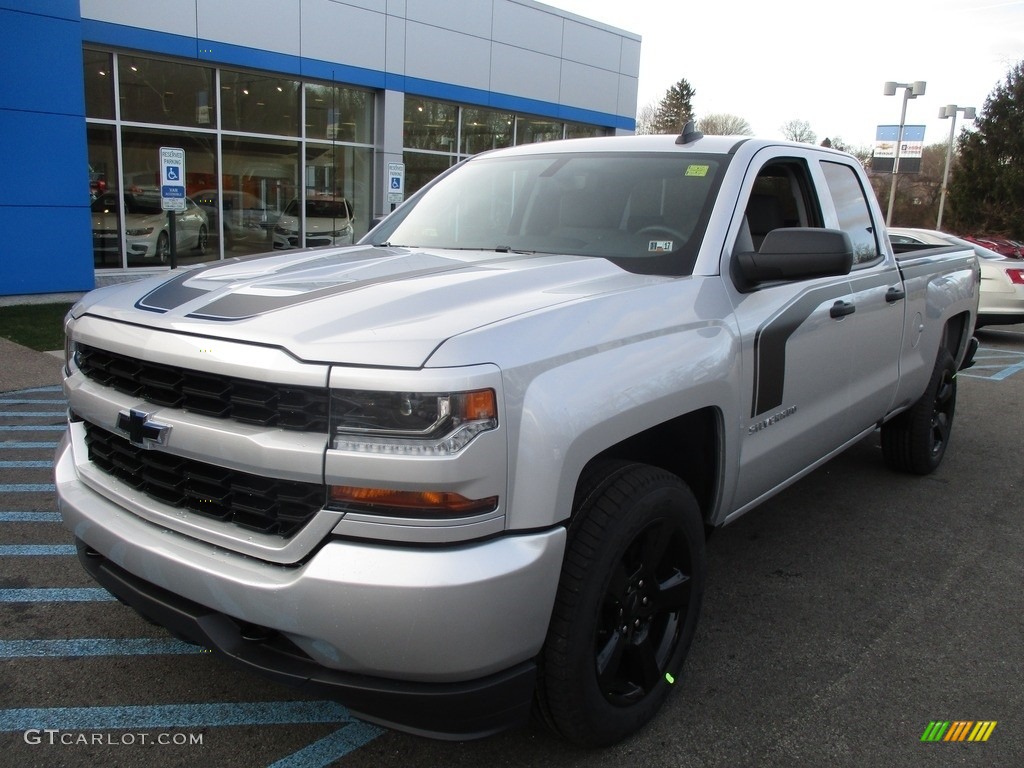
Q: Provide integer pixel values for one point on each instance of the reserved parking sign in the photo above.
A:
(172, 179)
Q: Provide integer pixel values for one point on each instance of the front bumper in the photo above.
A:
(462, 710)
(434, 640)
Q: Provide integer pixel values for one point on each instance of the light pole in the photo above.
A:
(950, 110)
(911, 91)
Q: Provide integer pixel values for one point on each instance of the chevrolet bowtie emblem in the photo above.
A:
(140, 430)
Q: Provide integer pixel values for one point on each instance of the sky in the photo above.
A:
(824, 63)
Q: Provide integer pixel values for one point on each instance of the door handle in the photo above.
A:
(842, 309)
(895, 293)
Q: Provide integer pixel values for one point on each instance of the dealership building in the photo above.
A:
(288, 123)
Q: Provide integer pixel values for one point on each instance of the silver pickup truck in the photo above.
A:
(463, 469)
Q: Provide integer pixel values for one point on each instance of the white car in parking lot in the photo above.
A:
(328, 222)
(1002, 278)
(146, 227)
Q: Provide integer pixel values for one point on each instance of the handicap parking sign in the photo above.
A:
(396, 182)
(172, 190)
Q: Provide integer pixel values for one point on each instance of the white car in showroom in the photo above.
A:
(328, 222)
(1002, 278)
(146, 227)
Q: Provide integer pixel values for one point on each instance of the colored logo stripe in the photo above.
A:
(958, 730)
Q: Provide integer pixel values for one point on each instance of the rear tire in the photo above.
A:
(916, 440)
(627, 605)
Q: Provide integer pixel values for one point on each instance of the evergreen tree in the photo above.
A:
(986, 189)
(674, 109)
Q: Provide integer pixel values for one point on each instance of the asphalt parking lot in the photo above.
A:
(842, 618)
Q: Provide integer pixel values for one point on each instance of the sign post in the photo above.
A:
(172, 192)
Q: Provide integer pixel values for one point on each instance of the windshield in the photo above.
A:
(146, 206)
(645, 212)
(317, 208)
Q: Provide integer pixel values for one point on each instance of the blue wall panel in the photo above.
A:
(45, 158)
(42, 59)
(44, 200)
(46, 250)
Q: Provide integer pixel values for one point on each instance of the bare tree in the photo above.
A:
(645, 119)
(799, 130)
(720, 124)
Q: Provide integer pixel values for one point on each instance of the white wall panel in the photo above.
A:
(268, 25)
(519, 48)
(589, 87)
(629, 63)
(448, 57)
(177, 17)
(394, 46)
(472, 17)
(528, 27)
(525, 73)
(333, 31)
(380, 6)
(593, 46)
(628, 89)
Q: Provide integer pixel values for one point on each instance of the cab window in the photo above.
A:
(852, 209)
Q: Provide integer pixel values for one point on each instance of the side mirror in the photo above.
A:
(795, 253)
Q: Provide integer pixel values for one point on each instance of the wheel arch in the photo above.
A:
(689, 446)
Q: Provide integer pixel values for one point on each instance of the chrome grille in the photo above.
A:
(224, 397)
(259, 503)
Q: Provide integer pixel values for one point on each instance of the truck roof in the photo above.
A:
(721, 145)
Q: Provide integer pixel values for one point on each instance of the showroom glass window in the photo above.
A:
(165, 92)
(147, 229)
(482, 129)
(99, 84)
(338, 176)
(583, 131)
(533, 129)
(338, 113)
(430, 138)
(253, 103)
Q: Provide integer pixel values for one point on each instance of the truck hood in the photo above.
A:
(360, 305)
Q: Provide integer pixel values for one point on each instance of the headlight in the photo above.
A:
(410, 423)
(70, 347)
(285, 230)
(139, 231)
(343, 232)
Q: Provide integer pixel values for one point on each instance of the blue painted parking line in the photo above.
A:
(176, 716)
(30, 517)
(995, 364)
(41, 444)
(331, 748)
(28, 401)
(139, 646)
(25, 464)
(33, 427)
(352, 735)
(81, 595)
(36, 414)
(28, 488)
(36, 550)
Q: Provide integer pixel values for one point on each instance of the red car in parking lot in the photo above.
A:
(1000, 245)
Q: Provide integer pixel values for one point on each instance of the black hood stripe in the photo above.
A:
(238, 306)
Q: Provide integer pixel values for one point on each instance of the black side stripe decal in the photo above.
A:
(770, 345)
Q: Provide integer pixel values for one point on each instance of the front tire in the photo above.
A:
(916, 440)
(627, 605)
(163, 247)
